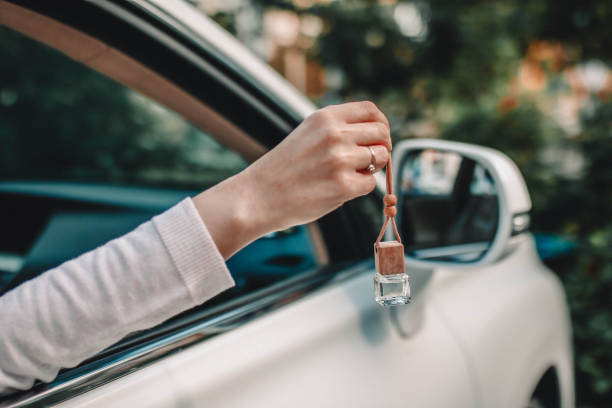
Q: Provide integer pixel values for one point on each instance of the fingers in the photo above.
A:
(370, 133)
(347, 132)
(362, 184)
(364, 157)
(356, 112)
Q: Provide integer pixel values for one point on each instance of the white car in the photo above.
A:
(488, 325)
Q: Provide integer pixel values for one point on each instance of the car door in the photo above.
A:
(334, 347)
(301, 328)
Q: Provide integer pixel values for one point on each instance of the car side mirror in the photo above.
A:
(458, 204)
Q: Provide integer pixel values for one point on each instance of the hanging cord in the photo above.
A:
(390, 210)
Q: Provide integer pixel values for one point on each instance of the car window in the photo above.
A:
(63, 121)
(85, 159)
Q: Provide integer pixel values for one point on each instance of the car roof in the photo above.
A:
(234, 53)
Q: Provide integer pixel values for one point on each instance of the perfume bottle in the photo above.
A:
(391, 281)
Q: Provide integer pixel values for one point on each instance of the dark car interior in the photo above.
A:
(46, 224)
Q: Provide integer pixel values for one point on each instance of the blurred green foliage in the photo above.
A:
(502, 74)
(585, 204)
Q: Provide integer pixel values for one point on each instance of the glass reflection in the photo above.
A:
(450, 207)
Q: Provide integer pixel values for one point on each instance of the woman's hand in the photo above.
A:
(317, 168)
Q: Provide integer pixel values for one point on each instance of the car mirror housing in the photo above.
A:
(458, 204)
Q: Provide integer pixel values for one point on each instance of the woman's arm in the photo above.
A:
(317, 168)
(176, 260)
(137, 281)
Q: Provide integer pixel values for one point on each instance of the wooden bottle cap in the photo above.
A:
(389, 257)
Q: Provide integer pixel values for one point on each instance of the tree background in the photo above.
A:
(528, 77)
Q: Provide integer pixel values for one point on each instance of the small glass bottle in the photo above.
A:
(391, 282)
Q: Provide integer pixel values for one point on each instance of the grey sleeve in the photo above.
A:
(134, 282)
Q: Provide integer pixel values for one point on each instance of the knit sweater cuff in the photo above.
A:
(193, 251)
